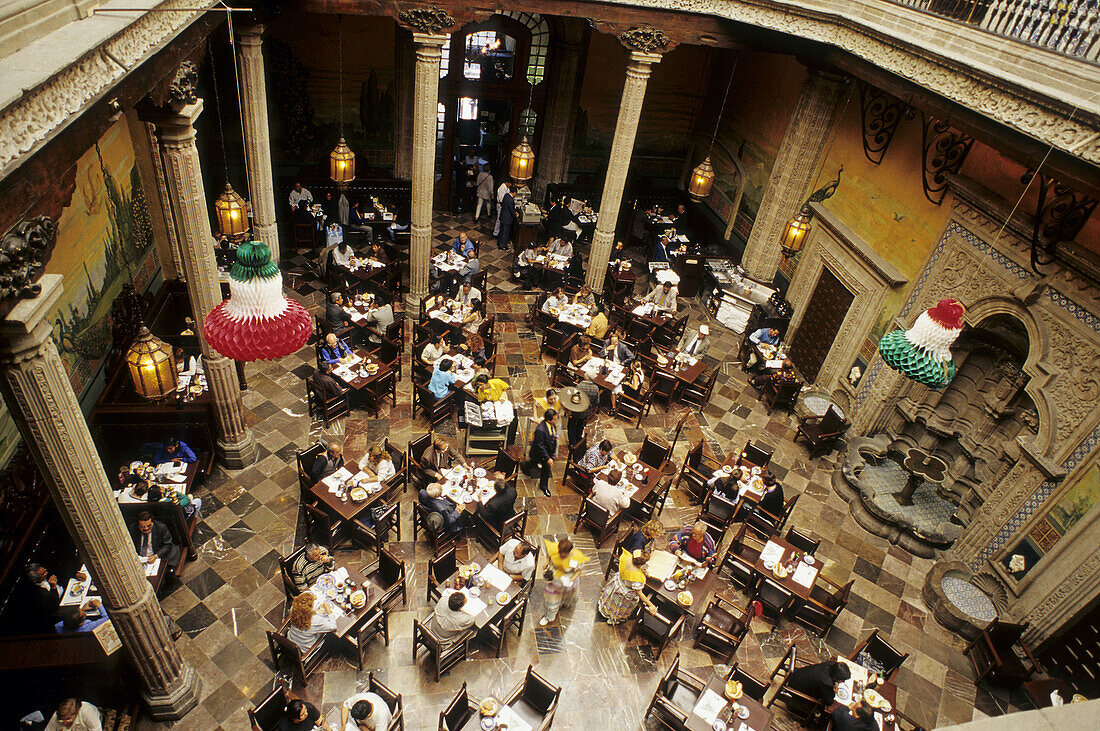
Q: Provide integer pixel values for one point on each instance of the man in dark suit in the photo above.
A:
(501, 506)
(153, 540)
(862, 719)
(820, 680)
(335, 317)
(507, 219)
(544, 447)
(325, 384)
(327, 462)
(44, 596)
(615, 350)
(439, 457)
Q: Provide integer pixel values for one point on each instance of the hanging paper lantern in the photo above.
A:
(257, 322)
(923, 352)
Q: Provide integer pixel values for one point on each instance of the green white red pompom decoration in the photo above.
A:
(923, 352)
(257, 322)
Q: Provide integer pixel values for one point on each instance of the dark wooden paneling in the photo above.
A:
(826, 310)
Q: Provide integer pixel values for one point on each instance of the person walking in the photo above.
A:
(484, 193)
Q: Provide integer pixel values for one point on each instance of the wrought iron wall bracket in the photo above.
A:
(945, 150)
(881, 114)
(1060, 214)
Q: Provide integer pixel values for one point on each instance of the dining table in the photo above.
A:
(636, 483)
(347, 618)
(329, 491)
(800, 570)
(883, 699)
(713, 706)
(669, 575)
(494, 593)
(686, 368)
(646, 311)
(360, 370)
(605, 378)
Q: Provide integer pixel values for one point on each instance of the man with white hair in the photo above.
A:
(696, 345)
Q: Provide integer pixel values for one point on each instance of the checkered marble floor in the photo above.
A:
(231, 594)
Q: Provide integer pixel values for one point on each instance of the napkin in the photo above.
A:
(805, 574)
(878, 719)
(510, 717)
(151, 569)
(170, 468)
(709, 705)
(340, 574)
(473, 606)
(496, 578)
(772, 552)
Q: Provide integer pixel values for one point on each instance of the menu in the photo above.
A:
(773, 552)
(473, 606)
(661, 565)
(805, 574)
(496, 578)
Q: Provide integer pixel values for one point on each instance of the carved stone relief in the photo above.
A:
(426, 20)
(644, 38)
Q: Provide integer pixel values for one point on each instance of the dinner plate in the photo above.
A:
(479, 472)
(843, 694)
(474, 591)
(769, 565)
(808, 559)
(325, 582)
(719, 726)
(670, 585)
(488, 722)
(503, 598)
(742, 712)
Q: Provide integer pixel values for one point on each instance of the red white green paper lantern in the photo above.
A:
(923, 352)
(257, 322)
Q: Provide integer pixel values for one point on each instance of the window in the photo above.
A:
(467, 108)
(527, 122)
(540, 35)
(445, 61)
(440, 121)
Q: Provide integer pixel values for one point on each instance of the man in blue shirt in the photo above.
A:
(769, 335)
(462, 244)
(431, 497)
(174, 451)
(75, 619)
(334, 350)
(442, 379)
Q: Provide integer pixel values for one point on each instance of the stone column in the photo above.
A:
(175, 128)
(429, 49)
(404, 66)
(562, 87)
(257, 138)
(39, 395)
(626, 128)
(800, 155)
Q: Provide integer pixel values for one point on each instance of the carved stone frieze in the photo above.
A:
(644, 38)
(184, 87)
(1076, 585)
(1076, 389)
(426, 20)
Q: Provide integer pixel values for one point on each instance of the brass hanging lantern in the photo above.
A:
(522, 163)
(342, 164)
(794, 237)
(152, 366)
(232, 214)
(702, 177)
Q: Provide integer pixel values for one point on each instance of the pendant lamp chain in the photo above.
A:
(340, 66)
(702, 177)
(722, 109)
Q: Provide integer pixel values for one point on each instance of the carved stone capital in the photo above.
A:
(644, 38)
(183, 89)
(426, 20)
(24, 250)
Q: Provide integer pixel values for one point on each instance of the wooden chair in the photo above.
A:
(563, 376)
(654, 454)
(824, 605)
(555, 342)
(284, 571)
(443, 656)
(599, 519)
(698, 394)
(493, 539)
(783, 396)
(802, 541)
(514, 616)
(692, 477)
(266, 714)
(992, 655)
(504, 463)
(740, 558)
(764, 523)
(328, 409)
(414, 451)
(440, 540)
(722, 628)
(303, 663)
(616, 552)
(375, 624)
(440, 568)
(822, 432)
(751, 686)
(629, 407)
(388, 574)
(325, 529)
(400, 480)
(658, 627)
(534, 700)
(876, 651)
(775, 599)
(458, 712)
(668, 336)
(675, 697)
(303, 235)
(717, 511)
(386, 521)
(665, 386)
(382, 387)
(392, 700)
(801, 707)
(638, 330)
(577, 478)
(436, 410)
(306, 457)
(755, 454)
(654, 503)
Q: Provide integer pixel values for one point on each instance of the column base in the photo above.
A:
(240, 454)
(177, 702)
(412, 304)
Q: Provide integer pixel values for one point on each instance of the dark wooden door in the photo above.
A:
(1074, 654)
(820, 324)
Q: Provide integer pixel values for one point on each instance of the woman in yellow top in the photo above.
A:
(598, 327)
(623, 591)
(489, 389)
(563, 564)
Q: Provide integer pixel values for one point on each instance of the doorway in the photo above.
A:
(488, 99)
(825, 312)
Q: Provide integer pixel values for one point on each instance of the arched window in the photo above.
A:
(540, 38)
(527, 122)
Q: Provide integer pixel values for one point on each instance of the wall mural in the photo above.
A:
(104, 239)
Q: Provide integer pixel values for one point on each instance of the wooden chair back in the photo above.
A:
(457, 712)
(266, 714)
(654, 453)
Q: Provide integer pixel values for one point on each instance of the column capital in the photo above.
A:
(428, 21)
(641, 62)
(430, 39)
(173, 125)
(250, 35)
(26, 327)
(645, 39)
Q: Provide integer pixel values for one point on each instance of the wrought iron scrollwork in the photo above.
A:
(945, 150)
(1060, 214)
(24, 250)
(881, 115)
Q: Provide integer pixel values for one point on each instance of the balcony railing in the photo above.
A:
(1068, 26)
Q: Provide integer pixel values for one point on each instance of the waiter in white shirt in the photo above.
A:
(299, 194)
(502, 190)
